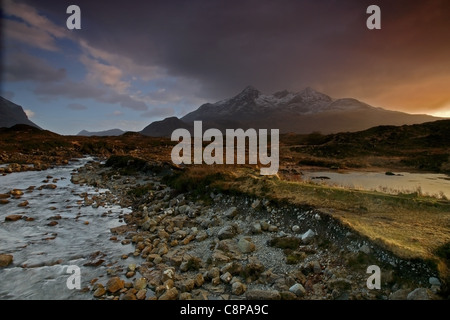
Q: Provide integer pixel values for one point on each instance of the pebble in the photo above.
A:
(298, 290)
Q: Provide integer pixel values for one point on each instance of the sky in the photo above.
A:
(135, 62)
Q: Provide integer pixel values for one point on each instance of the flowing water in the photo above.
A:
(42, 253)
(431, 184)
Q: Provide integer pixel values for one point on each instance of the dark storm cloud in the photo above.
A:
(273, 45)
(21, 66)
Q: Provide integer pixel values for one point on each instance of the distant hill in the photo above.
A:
(297, 112)
(164, 128)
(12, 114)
(424, 146)
(106, 133)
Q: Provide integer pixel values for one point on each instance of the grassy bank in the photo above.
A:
(411, 226)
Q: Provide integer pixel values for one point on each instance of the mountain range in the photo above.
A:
(12, 114)
(291, 112)
(106, 133)
(297, 112)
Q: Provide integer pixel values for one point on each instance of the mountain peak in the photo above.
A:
(250, 91)
(310, 94)
(12, 114)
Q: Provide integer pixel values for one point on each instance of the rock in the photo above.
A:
(308, 236)
(234, 267)
(141, 294)
(226, 277)
(272, 228)
(48, 186)
(202, 235)
(434, 281)
(264, 225)
(317, 217)
(315, 266)
(52, 223)
(4, 201)
(263, 295)
(170, 294)
(16, 192)
(185, 296)
(213, 273)
(140, 284)
(256, 204)
(231, 213)
(187, 285)
(419, 294)
(365, 249)
(285, 242)
(401, 294)
(6, 260)
(238, 288)
(298, 290)
(253, 269)
(219, 257)
(13, 217)
(115, 284)
(227, 232)
(287, 295)
(340, 284)
(295, 228)
(184, 209)
(167, 274)
(129, 295)
(4, 196)
(215, 281)
(23, 204)
(246, 246)
(99, 292)
(199, 280)
(256, 228)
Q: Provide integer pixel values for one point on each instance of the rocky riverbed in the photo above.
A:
(238, 247)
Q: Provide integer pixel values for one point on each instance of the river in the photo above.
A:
(43, 252)
(437, 185)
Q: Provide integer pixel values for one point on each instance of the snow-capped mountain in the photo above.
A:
(299, 112)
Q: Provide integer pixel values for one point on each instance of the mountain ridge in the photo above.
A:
(105, 133)
(300, 112)
(12, 114)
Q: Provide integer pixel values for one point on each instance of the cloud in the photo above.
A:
(76, 106)
(106, 74)
(117, 113)
(33, 28)
(21, 66)
(210, 50)
(69, 89)
(30, 114)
